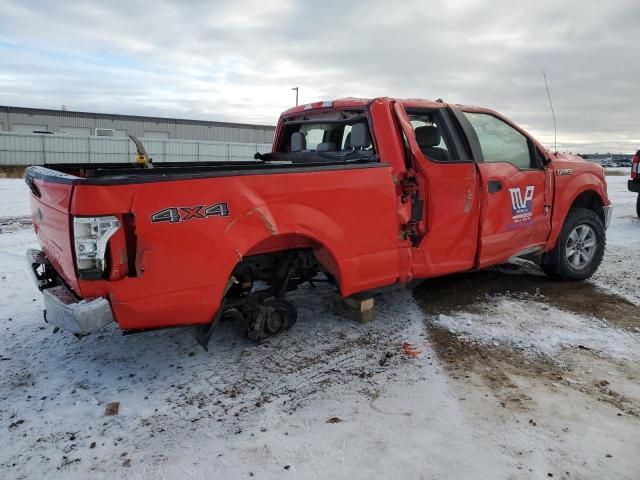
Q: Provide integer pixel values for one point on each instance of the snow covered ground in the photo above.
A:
(14, 198)
(500, 374)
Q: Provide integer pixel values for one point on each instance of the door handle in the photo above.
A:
(494, 186)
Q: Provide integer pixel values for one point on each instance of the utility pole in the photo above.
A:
(296, 89)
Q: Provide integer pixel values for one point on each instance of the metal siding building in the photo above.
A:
(38, 149)
(28, 120)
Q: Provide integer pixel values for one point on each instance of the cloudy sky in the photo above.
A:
(237, 60)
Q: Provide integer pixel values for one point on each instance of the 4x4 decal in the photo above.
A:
(182, 214)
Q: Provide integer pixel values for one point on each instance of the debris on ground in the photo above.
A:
(411, 350)
(112, 409)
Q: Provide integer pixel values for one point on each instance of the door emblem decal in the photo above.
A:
(521, 205)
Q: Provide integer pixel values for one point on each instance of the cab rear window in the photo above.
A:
(337, 136)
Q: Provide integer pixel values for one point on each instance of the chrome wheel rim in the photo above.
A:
(582, 244)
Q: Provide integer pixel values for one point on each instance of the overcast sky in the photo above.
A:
(237, 60)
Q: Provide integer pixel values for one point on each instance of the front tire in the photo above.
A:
(580, 247)
(638, 206)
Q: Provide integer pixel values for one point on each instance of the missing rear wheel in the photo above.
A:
(274, 317)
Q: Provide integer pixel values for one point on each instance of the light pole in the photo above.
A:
(296, 89)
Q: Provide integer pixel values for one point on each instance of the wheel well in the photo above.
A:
(590, 200)
(275, 273)
(269, 254)
(269, 266)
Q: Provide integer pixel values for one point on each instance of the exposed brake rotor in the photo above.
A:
(270, 319)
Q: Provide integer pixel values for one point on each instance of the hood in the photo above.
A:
(576, 163)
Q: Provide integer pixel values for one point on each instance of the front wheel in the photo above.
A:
(638, 206)
(580, 247)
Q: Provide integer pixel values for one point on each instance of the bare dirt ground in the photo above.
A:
(496, 374)
(7, 171)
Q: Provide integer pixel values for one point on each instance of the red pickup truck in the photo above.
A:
(362, 193)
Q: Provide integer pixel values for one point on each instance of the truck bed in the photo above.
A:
(119, 174)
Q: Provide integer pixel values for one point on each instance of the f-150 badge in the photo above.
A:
(182, 214)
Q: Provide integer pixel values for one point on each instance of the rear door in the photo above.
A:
(445, 234)
(515, 216)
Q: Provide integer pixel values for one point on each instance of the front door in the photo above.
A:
(515, 217)
(446, 237)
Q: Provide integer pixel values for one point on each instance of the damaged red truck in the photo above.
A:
(364, 193)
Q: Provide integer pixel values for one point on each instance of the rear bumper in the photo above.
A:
(608, 213)
(633, 186)
(62, 308)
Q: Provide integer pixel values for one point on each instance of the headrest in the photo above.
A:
(298, 142)
(360, 137)
(427, 136)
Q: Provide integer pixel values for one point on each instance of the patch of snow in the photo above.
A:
(620, 268)
(624, 229)
(539, 328)
(14, 198)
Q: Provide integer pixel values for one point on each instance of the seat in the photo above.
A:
(326, 147)
(298, 142)
(428, 136)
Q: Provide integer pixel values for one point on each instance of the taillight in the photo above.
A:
(91, 235)
(635, 166)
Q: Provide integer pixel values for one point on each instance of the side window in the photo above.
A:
(499, 141)
(429, 137)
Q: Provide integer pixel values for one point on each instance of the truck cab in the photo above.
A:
(473, 189)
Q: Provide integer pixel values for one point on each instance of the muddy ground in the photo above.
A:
(12, 171)
(496, 364)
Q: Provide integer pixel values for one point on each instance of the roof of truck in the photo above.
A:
(353, 102)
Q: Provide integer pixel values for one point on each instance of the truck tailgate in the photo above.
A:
(50, 203)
